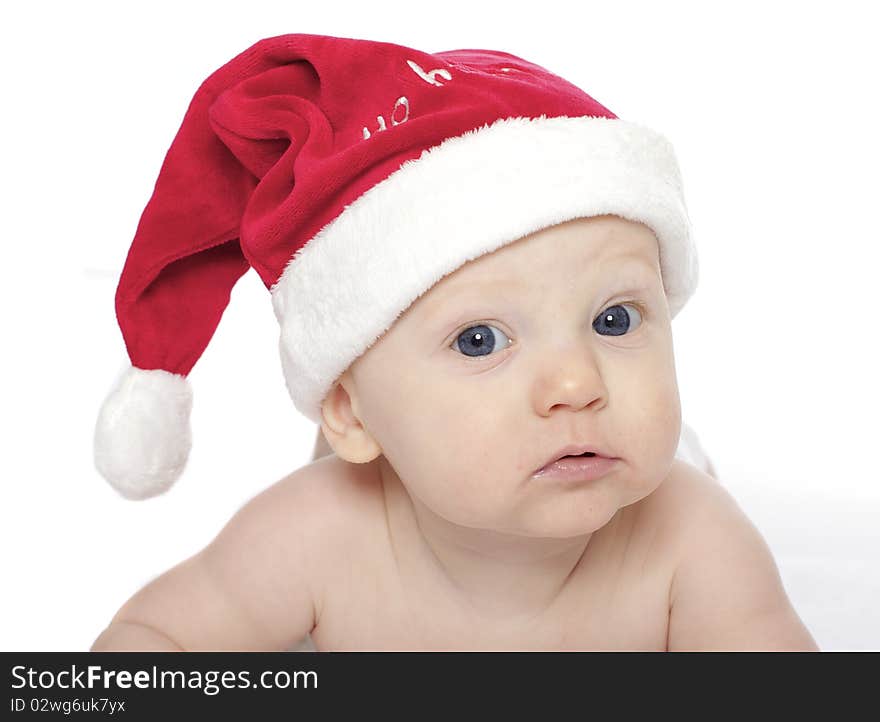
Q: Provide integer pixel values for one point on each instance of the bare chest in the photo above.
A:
(619, 601)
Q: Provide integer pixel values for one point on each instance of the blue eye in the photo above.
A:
(479, 340)
(616, 320)
(482, 339)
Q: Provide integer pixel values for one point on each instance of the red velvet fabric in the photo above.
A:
(273, 147)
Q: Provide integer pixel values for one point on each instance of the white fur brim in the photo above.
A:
(459, 200)
(143, 435)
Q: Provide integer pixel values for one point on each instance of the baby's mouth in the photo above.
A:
(588, 452)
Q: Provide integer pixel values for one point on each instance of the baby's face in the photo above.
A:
(561, 337)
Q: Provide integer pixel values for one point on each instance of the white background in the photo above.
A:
(773, 110)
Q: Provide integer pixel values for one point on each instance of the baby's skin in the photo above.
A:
(434, 534)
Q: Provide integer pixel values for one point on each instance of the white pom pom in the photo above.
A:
(143, 436)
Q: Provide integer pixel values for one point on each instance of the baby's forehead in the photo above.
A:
(567, 251)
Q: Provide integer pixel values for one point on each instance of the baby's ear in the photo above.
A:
(342, 427)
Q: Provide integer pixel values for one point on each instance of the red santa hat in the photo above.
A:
(352, 175)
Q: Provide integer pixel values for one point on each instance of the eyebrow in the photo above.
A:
(463, 292)
(461, 288)
(638, 261)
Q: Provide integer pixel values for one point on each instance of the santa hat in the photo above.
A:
(352, 175)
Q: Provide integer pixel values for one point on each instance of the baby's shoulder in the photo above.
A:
(340, 498)
(687, 499)
(338, 503)
(726, 592)
(697, 516)
(683, 486)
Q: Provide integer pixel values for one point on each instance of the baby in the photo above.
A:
(451, 362)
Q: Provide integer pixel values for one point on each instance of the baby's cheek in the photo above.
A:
(468, 456)
(649, 416)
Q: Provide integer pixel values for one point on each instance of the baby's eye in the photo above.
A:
(616, 320)
(479, 340)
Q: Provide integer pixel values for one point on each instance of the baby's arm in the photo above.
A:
(253, 587)
(727, 593)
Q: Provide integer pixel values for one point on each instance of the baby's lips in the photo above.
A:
(574, 450)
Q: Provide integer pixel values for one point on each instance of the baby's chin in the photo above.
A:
(578, 512)
(560, 518)
(549, 509)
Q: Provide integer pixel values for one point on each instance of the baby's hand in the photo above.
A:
(253, 587)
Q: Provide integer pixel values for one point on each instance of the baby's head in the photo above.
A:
(560, 337)
(453, 272)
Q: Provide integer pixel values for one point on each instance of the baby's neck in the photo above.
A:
(489, 575)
